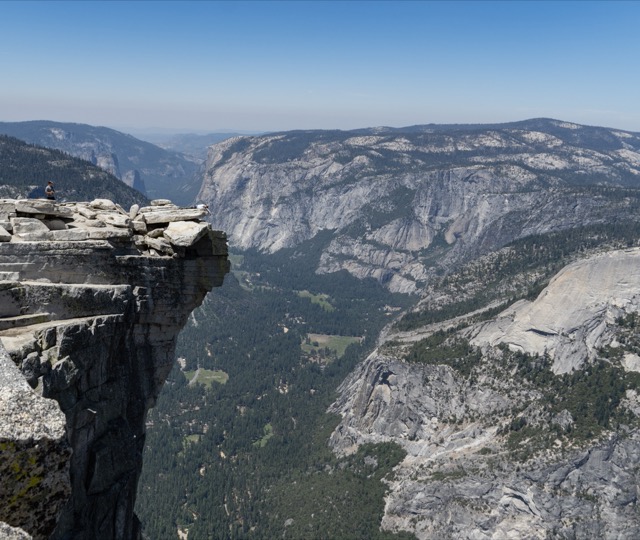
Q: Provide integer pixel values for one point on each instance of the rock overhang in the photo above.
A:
(92, 298)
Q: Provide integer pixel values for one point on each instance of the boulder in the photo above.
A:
(185, 233)
(139, 227)
(156, 233)
(55, 224)
(133, 211)
(86, 212)
(115, 220)
(160, 245)
(102, 204)
(7, 206)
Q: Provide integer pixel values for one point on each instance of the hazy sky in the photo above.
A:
(276, 65)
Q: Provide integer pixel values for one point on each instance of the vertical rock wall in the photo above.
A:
(92, 324)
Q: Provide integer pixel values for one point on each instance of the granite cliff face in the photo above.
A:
(505, 421)
(404, 204)
(92, 298)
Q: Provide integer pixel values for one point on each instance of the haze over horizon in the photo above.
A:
(255, 66)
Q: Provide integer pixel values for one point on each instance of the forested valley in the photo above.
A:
(241, 452)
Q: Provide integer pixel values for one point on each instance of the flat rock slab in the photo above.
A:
(108, 233)
(28, 225)
(169, 216)
(70, 235)
(185, 233)
(48, 208)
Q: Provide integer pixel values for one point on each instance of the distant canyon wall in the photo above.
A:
(403, 204)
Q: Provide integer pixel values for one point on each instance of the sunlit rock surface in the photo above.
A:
(570, 319)
(397, 205)
(92, 298)
(460, 478)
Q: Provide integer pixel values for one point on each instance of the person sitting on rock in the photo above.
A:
(49, 192)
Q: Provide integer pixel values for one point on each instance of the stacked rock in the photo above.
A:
(160, 229)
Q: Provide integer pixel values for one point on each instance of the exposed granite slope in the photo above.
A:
(574, 314)
(490, 453)
(92, 298)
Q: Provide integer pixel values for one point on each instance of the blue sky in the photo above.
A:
(302, 64)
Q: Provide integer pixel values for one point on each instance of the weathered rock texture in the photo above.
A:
(396, 205)
(92, 298)
(574, 315)
(460, 478)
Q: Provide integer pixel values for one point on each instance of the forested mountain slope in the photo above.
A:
(154, 171)
(26, 168)
(403, 205)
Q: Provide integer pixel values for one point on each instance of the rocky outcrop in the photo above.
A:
(92, 298)
(574, 316)
(404, 204)
(35, 454)
(458, 480)
(492, 449)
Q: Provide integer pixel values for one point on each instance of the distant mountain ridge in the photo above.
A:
(153, 171)
(190, 144)
(404, 204)
(26, 168)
